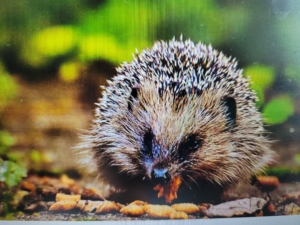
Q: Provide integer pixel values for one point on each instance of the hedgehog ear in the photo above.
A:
(133, 96)
(230, 110)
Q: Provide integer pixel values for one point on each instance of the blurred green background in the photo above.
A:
(54, 55)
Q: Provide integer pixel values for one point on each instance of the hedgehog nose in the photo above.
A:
(160, 175)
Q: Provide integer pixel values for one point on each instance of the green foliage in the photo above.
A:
(69, 71)
(278, 110)
(35, 156)
(6, 141)
(285, 173)
(8, 88)
(11, 173)
(56, 40)
(260, 75)
(261, 78)
(113, 30)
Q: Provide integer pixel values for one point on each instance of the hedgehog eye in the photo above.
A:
(133, 95)
(147, 143)
(191, 144)
(230, 110)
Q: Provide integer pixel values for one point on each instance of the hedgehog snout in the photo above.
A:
(160, 175)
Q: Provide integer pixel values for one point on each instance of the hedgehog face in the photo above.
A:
(179, 109)
(176, 135)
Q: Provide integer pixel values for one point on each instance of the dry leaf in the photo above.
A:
(35, 207)
(247, 206)
(27, 185)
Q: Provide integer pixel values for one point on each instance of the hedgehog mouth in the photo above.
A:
(168, 190)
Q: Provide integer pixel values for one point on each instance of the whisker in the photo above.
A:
(192, 179)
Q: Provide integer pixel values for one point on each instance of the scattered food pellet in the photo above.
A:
(62, 194)
(64, 205)
(61, 197)
(159, 211)
(108, 206)
(188, 208)
(178, 215)
(133, 210)
(138, 202)
(267, 183)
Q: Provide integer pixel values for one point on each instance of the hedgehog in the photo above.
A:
(179, 109)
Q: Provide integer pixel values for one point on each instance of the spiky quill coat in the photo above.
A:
(178, 108)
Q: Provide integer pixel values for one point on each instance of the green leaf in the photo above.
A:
(260, 75)
(6, 139)
(278, 110)
(35, 156)
(8, 88)
(260, 94)
(11, 173)
(56, 40)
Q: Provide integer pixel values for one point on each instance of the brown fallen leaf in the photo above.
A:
(178, 215)
(188, 208)
(35, 207)
(47, 192)
(133, 210)
(241, 207)
(27, 185)
(159, 211)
